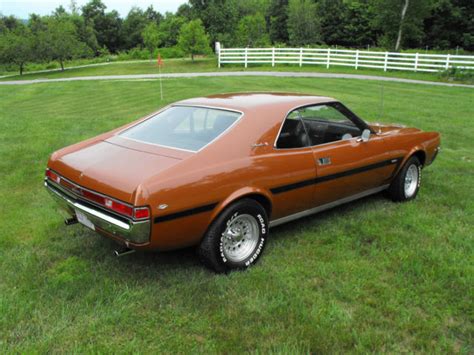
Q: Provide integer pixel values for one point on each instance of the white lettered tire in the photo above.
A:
(406, 184)
(236, 238)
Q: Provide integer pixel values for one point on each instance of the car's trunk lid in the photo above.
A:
(115, 170)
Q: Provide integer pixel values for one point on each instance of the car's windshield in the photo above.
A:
(183, 127)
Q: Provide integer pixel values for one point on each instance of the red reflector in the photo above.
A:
(52, 176)
(141, 212)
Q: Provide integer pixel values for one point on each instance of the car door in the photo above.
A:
(346, 164)
(293, 169)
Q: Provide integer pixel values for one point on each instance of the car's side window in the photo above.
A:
(325, 124)
(293, 133)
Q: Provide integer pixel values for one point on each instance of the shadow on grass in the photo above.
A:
(143, 264)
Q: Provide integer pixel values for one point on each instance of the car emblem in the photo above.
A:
(163, 206)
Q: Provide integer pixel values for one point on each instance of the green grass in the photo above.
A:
(371, 276)
(210, 65)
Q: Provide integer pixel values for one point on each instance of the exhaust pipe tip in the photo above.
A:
(124, 251)
(70, 221)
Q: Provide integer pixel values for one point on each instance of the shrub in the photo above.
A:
(144, 54)
(458, 74)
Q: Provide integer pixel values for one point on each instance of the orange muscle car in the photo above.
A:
(217, 172)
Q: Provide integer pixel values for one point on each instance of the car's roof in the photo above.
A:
(245, 101)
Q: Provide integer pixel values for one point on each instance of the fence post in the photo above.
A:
(416, 61)
(357, 59)
(447, 61)
(273, 56)
(245, 59)
(329, 58)
(301, 56)
(385, 62)
(217, 47)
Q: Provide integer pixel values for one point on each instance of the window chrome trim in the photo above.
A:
(159, 145)
(242, 114)
(309, 105)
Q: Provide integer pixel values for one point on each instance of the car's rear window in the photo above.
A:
(183, 127)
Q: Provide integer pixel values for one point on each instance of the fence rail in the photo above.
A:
(343, 57)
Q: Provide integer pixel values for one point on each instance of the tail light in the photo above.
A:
(114, 205)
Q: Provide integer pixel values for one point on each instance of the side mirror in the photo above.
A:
(365, 136)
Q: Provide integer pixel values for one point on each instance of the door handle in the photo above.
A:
(324, 161)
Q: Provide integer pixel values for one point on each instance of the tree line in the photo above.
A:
(92, 30)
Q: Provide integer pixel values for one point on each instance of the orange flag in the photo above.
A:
(159, 62)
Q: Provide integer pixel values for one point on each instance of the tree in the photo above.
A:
(278, 18)
(61, 41)
(193, 38)
(151, 37)
(346, 23)
(401, 21)
(133, 27)
(85, 32)
(450, 24)
(185, 10)
(169, 29)
(152, 15)
(109, 31)
(358, 28)
(252, 7)
(334, 20)
(9, 23)
(252, 31)
(219, 17)
(16, 47)
(107, 26)
(303, 23)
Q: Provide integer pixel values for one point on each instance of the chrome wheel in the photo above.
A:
(411, 180)
(240, 237)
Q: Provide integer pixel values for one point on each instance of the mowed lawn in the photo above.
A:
(371, 276)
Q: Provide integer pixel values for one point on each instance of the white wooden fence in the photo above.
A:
(348, 58)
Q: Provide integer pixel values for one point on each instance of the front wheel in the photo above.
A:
(236, 239)
(406, 184)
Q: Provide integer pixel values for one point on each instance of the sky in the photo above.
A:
(22, 8)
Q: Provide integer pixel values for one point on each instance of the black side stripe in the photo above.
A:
(304, 183)
(185, 213)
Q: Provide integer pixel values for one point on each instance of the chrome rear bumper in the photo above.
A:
(136, 232)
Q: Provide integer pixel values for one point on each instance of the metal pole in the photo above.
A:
(161, 84)
(381, 100)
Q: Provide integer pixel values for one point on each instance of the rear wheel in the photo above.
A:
(406, 184)
(235, 240)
